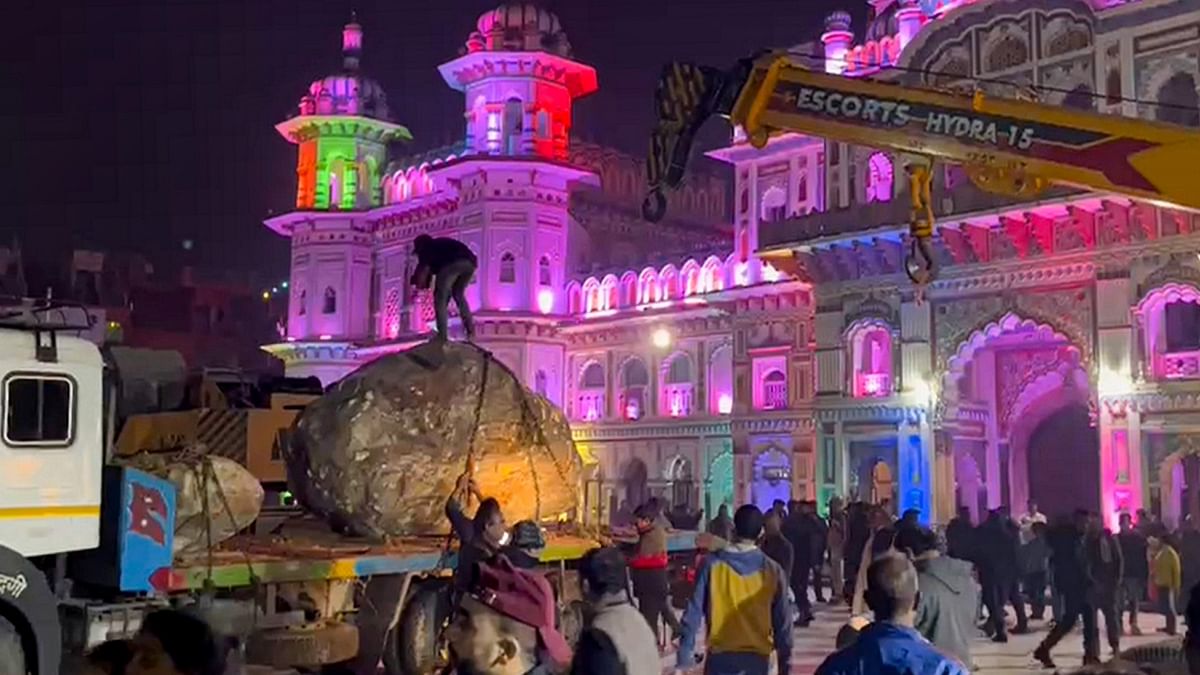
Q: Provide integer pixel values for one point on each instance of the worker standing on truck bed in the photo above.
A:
(480, 538)
(450, 265)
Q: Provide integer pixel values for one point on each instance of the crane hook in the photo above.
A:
(920, 263)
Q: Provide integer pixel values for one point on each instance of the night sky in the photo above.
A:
(139, 125)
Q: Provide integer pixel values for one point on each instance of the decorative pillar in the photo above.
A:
(944, 480)
(837, 39)
(908, 22)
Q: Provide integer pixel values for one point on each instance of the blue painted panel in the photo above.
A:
(147, 530)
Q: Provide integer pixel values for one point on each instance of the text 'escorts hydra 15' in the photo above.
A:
(1007, 146)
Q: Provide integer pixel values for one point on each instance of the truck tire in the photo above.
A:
(303, 646)
(415, 647)
(12, 652)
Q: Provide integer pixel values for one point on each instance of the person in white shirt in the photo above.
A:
(1031, 516)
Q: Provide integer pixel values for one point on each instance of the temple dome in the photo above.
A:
(348, 92)
(519, 27)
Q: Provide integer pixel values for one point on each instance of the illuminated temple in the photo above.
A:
(1057, 357)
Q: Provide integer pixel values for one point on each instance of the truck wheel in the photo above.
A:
(415, 646)
(303, 646)
(12, 654)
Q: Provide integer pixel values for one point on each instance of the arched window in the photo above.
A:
(508, 268)
(711, 278)
(514, 125)
(543, 124)
(677, 387)
(608, 293)
(1182, 326)
(1178, 101)
(870, 345)
(628, 290)
(593, 377)
(635, 382)
(880, 175)
(589, 404)
(720, 381)
(544, 276)
(774, 205)
(302, 303)
(775, 392)
(336, 169)
(330, 305)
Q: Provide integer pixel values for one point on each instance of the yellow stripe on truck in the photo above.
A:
(49, 512)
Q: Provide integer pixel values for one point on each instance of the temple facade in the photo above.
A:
(1057, 357)
(682, 363)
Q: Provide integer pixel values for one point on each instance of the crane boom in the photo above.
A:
(1008, 146)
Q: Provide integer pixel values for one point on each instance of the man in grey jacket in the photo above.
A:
(948, 594)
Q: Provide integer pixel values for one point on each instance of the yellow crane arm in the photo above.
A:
(1008, 146)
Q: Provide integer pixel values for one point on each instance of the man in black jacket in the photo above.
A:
(450, 266)
(1072, 576)
(774, 544)
(800, 531)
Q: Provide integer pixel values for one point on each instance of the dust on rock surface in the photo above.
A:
(378, 454)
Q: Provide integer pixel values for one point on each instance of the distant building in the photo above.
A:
(213, 319)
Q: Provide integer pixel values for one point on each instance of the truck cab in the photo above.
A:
(51, 441)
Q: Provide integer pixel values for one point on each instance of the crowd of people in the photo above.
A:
(918, 599)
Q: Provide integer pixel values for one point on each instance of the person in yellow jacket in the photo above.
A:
(1166, 576)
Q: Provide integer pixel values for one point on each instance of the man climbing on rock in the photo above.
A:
(450, 266)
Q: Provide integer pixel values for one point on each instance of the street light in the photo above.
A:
(661, 338)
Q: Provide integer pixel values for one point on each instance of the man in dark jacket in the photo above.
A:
(1034, 561)
(960, 535)
(949, 597)
(1068, 563)
(998, 540)
(858, 530)
(722, 525)
(819, 541)
(450, 265)
(1106, 570)
(799, 531)
(775, 545)
(1137, 571)
(480, 537)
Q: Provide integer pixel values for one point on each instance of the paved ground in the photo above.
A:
(814, 643)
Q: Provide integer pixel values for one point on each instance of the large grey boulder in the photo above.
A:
(379, 453)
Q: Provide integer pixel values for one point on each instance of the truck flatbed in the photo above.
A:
(277, 560)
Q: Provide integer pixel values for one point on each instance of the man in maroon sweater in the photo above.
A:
(648, 571)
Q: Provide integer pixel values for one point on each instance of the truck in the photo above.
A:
(86, 543)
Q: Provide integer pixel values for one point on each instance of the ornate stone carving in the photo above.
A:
(1174, 270)
(1068, 311)
(874, 308)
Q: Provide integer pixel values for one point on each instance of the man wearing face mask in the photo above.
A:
(616, 640)
(504, 625)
